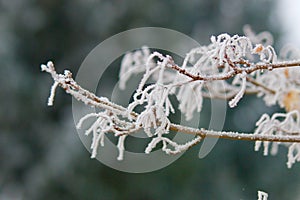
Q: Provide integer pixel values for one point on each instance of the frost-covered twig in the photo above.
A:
(122, 128)
(232, 73)
(228, 68)
(178, 148)
(66, 82)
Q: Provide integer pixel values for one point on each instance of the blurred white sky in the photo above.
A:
(288, 15)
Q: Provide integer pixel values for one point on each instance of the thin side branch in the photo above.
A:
(254, 82)
(236, 71)
(235, 135)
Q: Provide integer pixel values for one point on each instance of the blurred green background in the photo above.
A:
(41, 155)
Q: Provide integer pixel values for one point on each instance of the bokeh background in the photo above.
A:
(41, 155)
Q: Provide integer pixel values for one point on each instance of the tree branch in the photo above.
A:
(235, 135)
(238, 70)
(71, 87)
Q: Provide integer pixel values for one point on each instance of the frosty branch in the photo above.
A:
(236, 70)
(227, 68)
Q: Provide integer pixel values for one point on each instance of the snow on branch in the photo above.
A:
(228, 68)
